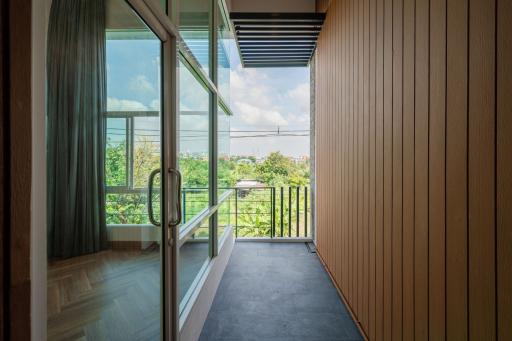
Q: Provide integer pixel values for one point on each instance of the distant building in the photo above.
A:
(244, 186)
(245, 161)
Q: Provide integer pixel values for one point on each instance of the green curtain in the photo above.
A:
(75, 144)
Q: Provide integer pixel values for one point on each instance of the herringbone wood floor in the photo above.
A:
(110, 295)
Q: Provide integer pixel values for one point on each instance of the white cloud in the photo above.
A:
(258, 116)
(140, 83)
(300, 94)
(250, 86)
(254, 101)
(155, 105)
(301, 119)
(115, 104)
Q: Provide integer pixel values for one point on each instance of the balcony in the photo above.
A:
(277, 291)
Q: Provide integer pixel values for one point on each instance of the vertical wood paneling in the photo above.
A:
(366, 169)
(372, 194)
(414, 164)
(360, 157)
(397, 169)
(379, 170)
(335, 126)
(421, 171)
(456, 170)
(408, 169)
(436, 168)
(351, 277)
(504, 169)
(322, 5)
(388, 168)
(481, 172)
(345, 130)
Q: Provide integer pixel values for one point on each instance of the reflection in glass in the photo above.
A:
(194, 28)
(146, 156)
(193, 256)
(226, 214)
(224, 171)
(224, 45)
(193, 144)
(116, 152)
(112, 292)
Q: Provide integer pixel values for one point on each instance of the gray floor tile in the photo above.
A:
(277, 292)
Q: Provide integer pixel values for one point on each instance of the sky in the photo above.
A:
(263, 100)
(269, 99)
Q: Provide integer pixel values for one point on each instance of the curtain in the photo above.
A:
(76, 101)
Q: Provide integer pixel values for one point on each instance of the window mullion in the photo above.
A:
(213, 125)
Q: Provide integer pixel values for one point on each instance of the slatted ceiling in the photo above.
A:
(277, 35)
(278, 45)
(276, 39)
(275, 54)
(278, 29)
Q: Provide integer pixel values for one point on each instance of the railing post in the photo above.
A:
(281, 213)
(236, 212)
(273, 192)
(297, 203)
(289, 211)
(184, 206)
(306, 211)
(271, 214)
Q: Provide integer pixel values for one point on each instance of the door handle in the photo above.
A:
(176, 221)
(150, 197)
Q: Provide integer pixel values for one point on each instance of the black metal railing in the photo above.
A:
(253, 212)
(257, 211)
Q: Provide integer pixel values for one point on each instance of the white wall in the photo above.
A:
(40, 15)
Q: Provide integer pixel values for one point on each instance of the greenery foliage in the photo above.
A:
(126, 200)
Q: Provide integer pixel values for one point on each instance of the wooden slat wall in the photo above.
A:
(322, 5)
(414, 163)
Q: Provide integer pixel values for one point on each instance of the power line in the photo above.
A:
(278, 131)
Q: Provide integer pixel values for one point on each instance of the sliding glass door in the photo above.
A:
(133, 163)
(136, 131)
(109, 259)
(194, 165)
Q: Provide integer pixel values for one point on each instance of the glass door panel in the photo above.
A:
(114, 290)
(133, 56)
(193, 145)
(193, 256)
(194, 165)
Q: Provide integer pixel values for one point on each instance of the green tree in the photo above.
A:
(115, 165)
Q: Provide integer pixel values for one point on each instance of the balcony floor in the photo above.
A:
(277, 291)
